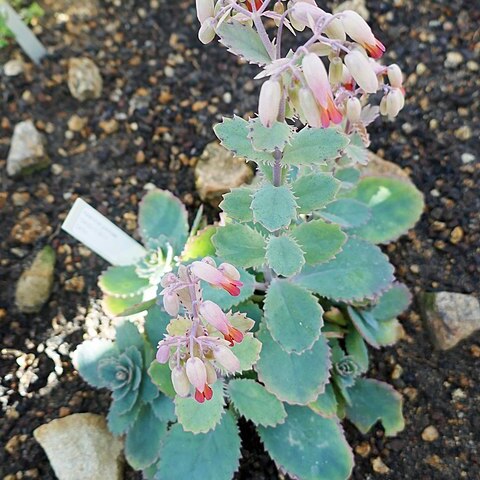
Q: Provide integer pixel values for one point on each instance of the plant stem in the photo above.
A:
(257, 20)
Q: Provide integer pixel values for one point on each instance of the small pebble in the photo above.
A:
(453, 60)
(430, 434)
(467, 158)
(463, 133)
(378, 466)
(364, 449)
(456, 236)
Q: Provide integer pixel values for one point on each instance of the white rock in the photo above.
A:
(13, 68)
(450, 317)
(84, 79)
(467, 157)
(27, 150)
(453, 59)
(81, 447)
(218, 171)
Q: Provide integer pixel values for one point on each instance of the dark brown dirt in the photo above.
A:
(136, 46)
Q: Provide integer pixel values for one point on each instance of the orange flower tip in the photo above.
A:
(376, 50)
(207, 393)
(236, 334)
(233, 287)
(199, 396)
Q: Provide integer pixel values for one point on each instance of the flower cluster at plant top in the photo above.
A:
(198, 342)
(316, 95)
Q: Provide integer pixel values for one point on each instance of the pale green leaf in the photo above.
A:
(284, 255)
(346, 212)
(236, 204)
(314, 191)
(200, 245)
(269, 139)
(247, 351)
(122, 281)
(392, 303)
(313, 146)
(319, 240)
(293, 316)
(255, 403)
(326, 403)
(274, 207)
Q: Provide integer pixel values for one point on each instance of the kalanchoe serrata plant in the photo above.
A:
(269, 316)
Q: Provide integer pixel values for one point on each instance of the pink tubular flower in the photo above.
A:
(395, 76)
(227, 359)
(361, 70)
(196, 373)
(317, 80)
(217, 277)
(214, 315)
(205, 9)
(309, 107)
(359, 31)
(163, 354)
(180, 382)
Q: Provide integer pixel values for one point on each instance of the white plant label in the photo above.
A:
(102, 236)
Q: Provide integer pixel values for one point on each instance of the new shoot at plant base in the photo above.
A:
(270, 314)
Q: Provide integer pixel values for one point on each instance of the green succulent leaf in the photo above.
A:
(240, 245)
(215, 455)
(346, 212)
(303, 377)
(375, 333)
(372, 401)
(309, 446)
(156, 323)
(161, 376)
(122, 281)
(162, 215)
(201, 417)
(163, 408)
(236, 204)
(349, 176)
(116, 306)
(360, 271)
(326, 403)
(293, 316)
(233, 133)
(313, 146)
(224, 299)
(87, 357)
(357, 349)
(127, 335)
(247, 351)
(392, 303)
(284, 255)
(143, 306)
(269, 139)
(243, 41)
(356, 150)
(273, 207)
(319, 240)
(120, 423)
(143, 440)
(253, 311)
(255, 403)
(200, 245)
(314, 191)
(396, 206)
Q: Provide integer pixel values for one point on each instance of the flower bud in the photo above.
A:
(210, 261)
(269, 102)
(354, 109)
(211, 373)
(359, 31)
(205, 9)
(230, 271)
(167, 280)
(395, 76)
(214, 315)
(359, 67)
(180, 381)
(226, 358)
(163, 353)
(335, 72)
(196, 373)
(383, 106)
(305, 13)
(207, 31)
(335, 30)
(171, 303)
(309, 107)
(279, 8)
(395, 102)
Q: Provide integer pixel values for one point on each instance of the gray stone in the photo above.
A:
(27, 150)
(377, 166)
(84, 79)
(450, 317)
(81, 447)
(35, 284)
(218, 171)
